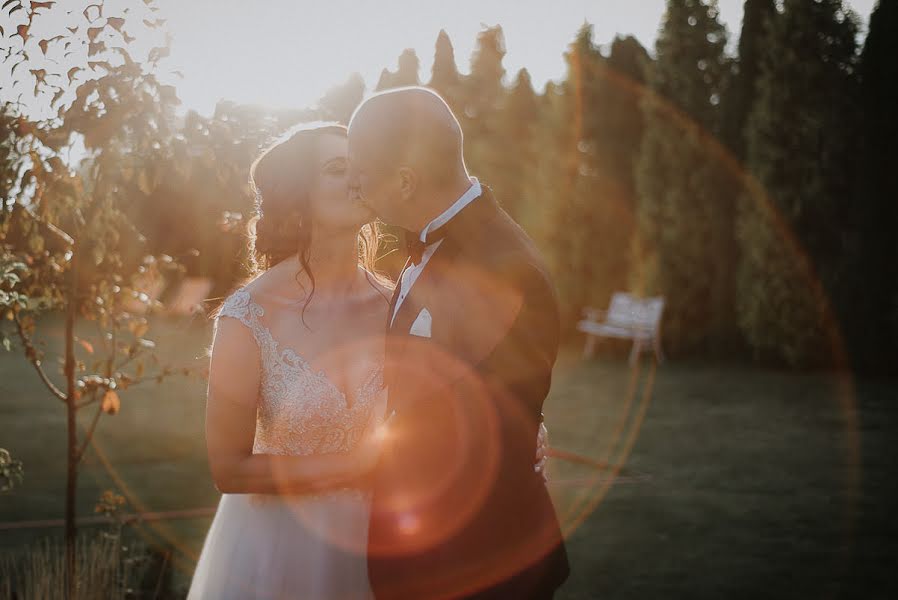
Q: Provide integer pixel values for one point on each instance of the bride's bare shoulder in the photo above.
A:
(260, 285)
(271, 287)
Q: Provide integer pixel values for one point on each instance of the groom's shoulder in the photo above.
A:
(504, 248)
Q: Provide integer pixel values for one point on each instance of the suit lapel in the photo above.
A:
(395, 297)
(464, 228)
(419, 296)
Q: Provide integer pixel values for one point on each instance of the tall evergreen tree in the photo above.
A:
(406, 74)
(445, 77)
(483, 95)
(340, 101)
(615, 136)
(738, 98)
(871, 318)
(681, 215)
(799, 151)
(543, 189)
(484, 84)
(740, 95)
(518, 120)
(594, 211)
(574, 201)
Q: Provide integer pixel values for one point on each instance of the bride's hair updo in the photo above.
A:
(281, 178)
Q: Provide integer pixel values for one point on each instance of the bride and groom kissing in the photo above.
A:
(372, 439)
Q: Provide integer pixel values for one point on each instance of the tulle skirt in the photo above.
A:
(283, 547)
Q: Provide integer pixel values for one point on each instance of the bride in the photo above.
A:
(295, 397)
(295, 386)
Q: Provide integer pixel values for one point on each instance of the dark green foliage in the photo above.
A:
(517, 125)
(597, 132)
(868, 300)
(683, 218)
(339, 102)
(482, 100)
(799, 149)
(754, 192)
(406, 74)
(738, 100)
(444, 76)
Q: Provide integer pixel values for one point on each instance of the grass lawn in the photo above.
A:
(736, 482)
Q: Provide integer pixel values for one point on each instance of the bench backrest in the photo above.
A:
(628, 311)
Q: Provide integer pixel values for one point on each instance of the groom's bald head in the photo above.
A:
(411, 127)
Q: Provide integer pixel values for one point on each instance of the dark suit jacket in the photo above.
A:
(458, 511)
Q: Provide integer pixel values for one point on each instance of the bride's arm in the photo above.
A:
(234, 377)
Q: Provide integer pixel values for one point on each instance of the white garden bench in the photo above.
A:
(628, 317)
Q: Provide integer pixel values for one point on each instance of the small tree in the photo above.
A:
(66, 241)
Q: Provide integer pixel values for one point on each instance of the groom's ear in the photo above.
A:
(408, 182)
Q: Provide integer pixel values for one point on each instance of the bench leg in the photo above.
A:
(634, 353)
(590, 347)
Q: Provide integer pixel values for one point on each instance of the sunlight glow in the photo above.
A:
(287, 54)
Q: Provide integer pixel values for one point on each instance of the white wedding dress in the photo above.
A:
(298, 547)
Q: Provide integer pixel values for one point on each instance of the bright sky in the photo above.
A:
(286, 53)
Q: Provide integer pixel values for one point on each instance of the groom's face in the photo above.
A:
(373, 184)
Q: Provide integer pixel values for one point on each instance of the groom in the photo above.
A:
(458, 510)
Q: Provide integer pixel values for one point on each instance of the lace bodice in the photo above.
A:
(300, 411)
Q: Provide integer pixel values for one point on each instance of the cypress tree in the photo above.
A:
(871, 318)
(574, 199)
(483, 96)
(799, 152)
(741, 93)
(681, 177)
(406, 74)
(444, 76)
(518, 120)
(340, 101)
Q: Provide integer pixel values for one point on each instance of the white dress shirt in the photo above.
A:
(411, 274)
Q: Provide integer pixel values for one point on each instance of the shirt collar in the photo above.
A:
(469, 196)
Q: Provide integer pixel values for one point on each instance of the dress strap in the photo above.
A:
(240, 306)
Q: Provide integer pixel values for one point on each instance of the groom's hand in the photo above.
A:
(542, 452)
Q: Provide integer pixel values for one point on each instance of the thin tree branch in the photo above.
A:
(159, 377)
(31, 353)
(93, 398)
(126, 361)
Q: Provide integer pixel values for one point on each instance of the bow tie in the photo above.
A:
(416, 247)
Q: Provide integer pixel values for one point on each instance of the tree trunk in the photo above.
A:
(71, 576)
